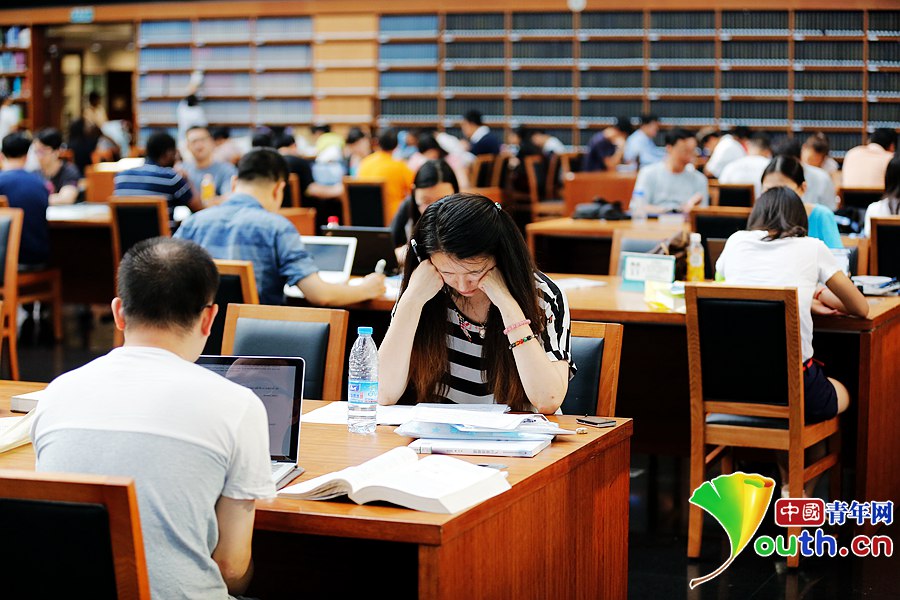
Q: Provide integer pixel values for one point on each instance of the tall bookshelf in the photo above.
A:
(16, 69)
(784, 71)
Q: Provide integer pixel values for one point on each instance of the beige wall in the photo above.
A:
(98, 63)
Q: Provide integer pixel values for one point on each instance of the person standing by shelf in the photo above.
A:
(94, 114)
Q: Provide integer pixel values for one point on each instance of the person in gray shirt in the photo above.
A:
(202, 147)
(674, 183)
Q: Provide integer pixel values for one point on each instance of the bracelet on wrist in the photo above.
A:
(522, 341)
(516, 325)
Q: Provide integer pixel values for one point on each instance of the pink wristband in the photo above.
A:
(515, 326)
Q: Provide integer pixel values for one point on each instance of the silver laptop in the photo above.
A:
(333, 256)
(278, 381)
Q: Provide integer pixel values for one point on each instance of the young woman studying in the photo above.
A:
(777, 251)
(475, 321)
(890, 204)
(787, 171)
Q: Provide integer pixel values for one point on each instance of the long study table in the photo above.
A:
(560, 532)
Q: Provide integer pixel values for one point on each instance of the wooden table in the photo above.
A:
(560, 532)
(580, 245)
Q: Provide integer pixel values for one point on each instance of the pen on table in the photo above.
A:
(380, 265)
(492, 465)
(892, 281)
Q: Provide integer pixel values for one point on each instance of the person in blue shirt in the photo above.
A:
(481, 139)
(247, 226)
(156, 177)
(787, 171)
(29, 192)
(640, 147)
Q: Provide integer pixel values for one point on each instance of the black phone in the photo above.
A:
(596, 421)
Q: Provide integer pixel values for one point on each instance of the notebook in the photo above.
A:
(278, 381)
(372, 244)
(333, 256)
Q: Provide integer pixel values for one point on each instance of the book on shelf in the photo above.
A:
(481, 447)
(439, 484)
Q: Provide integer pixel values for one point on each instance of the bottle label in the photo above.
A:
(362, 392)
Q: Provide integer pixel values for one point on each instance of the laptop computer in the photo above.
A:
(372, 245)
(278, 381)
(333, 256)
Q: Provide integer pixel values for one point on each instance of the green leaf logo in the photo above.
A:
(738, 502)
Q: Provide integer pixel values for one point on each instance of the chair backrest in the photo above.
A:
(734, 194)
(596, 351)
(4, 202)
(717, 222)
(363, 203)
(318, 335)
(10, 238)
(570, 162)
(552, 184)
(304, 219)
(859, 254)
(859, 197)
(88, 526)
(134, 219)
(499, 173)
(884, 252)
(293, 190)
(481, 171)
(237, 285)
(99, 181)
(635, 240)
(612, 186)
(494, 193)
(744, 352)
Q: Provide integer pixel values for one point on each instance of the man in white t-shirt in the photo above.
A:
(196, 444)
(674, 183)
(749, 169)
(724, 150)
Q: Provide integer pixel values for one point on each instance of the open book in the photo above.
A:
(440, 484)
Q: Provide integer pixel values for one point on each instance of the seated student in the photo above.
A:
(310, 190)
(864, 165)
(775, 250)
(197, 475)
(357, 146)
(819, 185)
(434, 180)
(480, 137)
(202, 148)
(890, 204)
(430, 148)
(674, 183)
(247, 227)
(226, 148)
(156, 177)
(475, 321)
(640, 147)
(382, 165)
(786, 171)
(749, 169)
(724, 149)
(815, 153)
(29, 192)
(606, 148)
(62, 175)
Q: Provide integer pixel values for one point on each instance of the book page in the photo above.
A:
(16, 431)
(344, 481)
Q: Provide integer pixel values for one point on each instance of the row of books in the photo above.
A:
(13, 62)
(226, 57)
(233, 111)
(260, 30)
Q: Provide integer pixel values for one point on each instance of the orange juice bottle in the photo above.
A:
(695, 267)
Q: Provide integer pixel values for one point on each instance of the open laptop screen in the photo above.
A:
(278, 381)
(333, 256)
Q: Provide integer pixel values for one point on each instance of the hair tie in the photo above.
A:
(497, 205)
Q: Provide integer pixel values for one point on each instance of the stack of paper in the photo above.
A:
(459, 431)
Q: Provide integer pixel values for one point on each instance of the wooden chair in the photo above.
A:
(597, 352)
(540, 207)
(10, 239)
(884, 253)
(304, 219)
(363, 203)
(635, 240)
(481, 171)
(859, 197)
(90, 524)
(570, 162)
(716, 223)
(612, 186)
(500, 171)
(859, 254)
(552, 183)
(732, 194)
(494, 193)
(293, 188)
(318, 335)
(99, 181)
(237, 285)
(746, 381)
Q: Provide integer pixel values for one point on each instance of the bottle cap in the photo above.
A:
(364, 330)
(695, 237)
(333, 220)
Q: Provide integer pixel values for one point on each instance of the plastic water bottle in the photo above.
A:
(638, 208)
(362, 388)
(695, 267)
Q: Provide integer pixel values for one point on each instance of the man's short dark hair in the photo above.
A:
(673, 136)
(884, 137)
(321, 128)
(166, 282)
(93, 96)
(262, 164)
(262, 139)
(623, 124)
(708, 135)
(283, 140)
(220, 133)
(16, 145)
(648, 118)
(50, 137)
(474, 117)
(787, 147)
(761, 140)
(741, 132)
(387, 139)
(158, 144)
(354, 135)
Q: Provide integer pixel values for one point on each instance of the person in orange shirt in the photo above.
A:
(382, 165)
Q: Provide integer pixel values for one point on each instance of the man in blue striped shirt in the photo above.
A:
(156, 177)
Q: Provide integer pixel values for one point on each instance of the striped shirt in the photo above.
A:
(465, 380)
(152, 180)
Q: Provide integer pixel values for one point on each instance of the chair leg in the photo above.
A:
(796, 460)
(695, 513)
(56, 301)
(728, 461)
(834, 484)
(13, 350)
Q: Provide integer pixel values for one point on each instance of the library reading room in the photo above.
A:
(674, 225)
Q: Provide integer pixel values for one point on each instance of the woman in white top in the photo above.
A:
(776, 251)
(890, 204)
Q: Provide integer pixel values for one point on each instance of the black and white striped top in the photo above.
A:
(465, 381)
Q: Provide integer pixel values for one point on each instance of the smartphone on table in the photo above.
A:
(596, 421)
